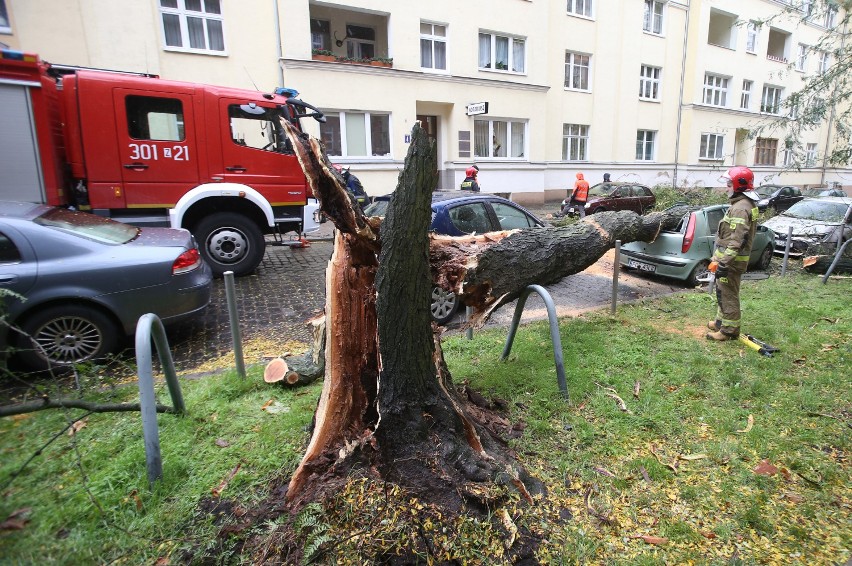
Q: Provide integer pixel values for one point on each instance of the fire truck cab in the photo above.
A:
(154, 152)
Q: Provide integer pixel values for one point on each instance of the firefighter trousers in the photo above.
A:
(728, 297)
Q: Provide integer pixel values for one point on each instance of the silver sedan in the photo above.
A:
(74, 284)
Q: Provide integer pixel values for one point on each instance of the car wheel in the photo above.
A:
(599, 209)
(66, 335)
(444, 305)
(698, 272)
(230, 242)
(765, 259)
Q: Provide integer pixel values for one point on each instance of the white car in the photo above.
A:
(814, 221)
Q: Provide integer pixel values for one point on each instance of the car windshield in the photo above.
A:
(813, 192)
(88, 226)
(818, 210)
(377, 208)
(765, 191)
(601, 190)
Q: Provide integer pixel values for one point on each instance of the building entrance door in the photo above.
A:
(430, 124)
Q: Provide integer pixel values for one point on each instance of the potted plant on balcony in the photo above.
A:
(322, 55)
(381, 62)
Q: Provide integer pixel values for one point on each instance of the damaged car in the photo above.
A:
(814, 221)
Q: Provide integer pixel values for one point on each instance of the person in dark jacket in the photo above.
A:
(470, 183)
(733, 247)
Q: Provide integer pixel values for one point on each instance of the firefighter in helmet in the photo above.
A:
(469, 183)
(732, 249)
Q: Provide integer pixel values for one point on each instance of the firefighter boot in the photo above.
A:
(720, 336)
(714, 324)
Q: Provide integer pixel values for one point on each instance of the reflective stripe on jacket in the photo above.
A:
(736, 231)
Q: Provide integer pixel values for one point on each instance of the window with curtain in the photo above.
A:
(711, 146)
(649, 82)
(745, 97)
(575, 142)
(320, 34)
(810, 154)
(580, 7)
(502, 52)
(715, 90)
(433, 46)
(499, 139)
(645, 145)
(577, 70)
(5, 25)
(751, 37)
(653, 17)
(193, 25)
(356, 134)
(770, 101)
(802, 57)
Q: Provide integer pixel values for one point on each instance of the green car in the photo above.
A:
(685, 252)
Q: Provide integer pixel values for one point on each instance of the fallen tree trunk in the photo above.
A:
(388, 402)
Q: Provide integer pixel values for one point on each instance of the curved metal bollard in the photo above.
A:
(554, 332)
(150, 326)
(836, 260)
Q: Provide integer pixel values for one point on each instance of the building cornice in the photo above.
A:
(410, 75)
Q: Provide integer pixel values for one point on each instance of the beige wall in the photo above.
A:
(127, 35)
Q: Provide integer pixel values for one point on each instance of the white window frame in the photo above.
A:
(649, 82)
(511, 123)
(824, 62)
(712, 146)
(646, 139)
(571, 64)
(715, 90)
(810, 155)
(355, 45)
(183, 15)
(751, 37)
(830, 17)
(770, 100)
(575, 140)
(492, 61)
(317, 40)
(653, 17)
(433, 39)
(341, 115)
(807, 8)
(5, 23)
(582, 8)
(802, 57)
(745, 95)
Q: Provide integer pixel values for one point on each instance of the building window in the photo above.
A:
(499, 138)
(580, 7)
(745, 97)
(787, 157)
(576, 71)
(575, 142)
(807, 8)
(356, 134)
(810, 154)
(193, 25)
(653, 20)
(320, 34)
(645, 145)
(433, 46)
(765, 152)
(751, 37)
(830, 16)
(715, 90)
(361, 43)
(5, 25)
(802, 57)
(770, 102)
(649, 83)
(711, 146)
(824, 62)
(502, 52)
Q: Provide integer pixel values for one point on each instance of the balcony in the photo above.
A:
(776, 49)
(349, 36)
(720, 31)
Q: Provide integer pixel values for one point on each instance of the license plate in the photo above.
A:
(641, 266)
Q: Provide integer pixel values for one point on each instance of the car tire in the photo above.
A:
(444, 305)
(230, 242)
(765, 258)
(599, 209)
(699, 271)
(62, 336)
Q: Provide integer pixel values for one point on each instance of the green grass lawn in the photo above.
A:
(722, 456)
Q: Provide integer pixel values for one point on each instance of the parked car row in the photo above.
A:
(616, 196)
(76, 283)
(779, 198)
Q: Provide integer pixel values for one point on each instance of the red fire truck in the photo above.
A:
(155, 152)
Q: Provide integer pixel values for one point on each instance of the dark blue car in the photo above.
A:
(456, 213)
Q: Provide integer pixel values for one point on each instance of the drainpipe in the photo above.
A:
(277, 27)
(680, 95)
(831, 116)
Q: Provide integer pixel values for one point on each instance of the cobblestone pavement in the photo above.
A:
(289, 288)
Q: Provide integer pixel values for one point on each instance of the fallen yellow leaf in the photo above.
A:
(749, 424)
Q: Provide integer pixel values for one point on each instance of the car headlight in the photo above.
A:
(763, 202)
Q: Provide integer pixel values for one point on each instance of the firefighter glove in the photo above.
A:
(714, 265)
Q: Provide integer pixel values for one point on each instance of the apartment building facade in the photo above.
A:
(532, 91)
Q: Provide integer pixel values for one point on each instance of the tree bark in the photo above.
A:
(388, 401)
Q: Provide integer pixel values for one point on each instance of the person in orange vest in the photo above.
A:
(580, 194)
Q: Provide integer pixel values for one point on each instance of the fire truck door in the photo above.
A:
(258, 154)
(157, 145)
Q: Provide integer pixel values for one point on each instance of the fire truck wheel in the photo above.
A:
(66, 335)
(230, 242)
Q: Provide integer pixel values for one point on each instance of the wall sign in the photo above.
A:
(476, 108)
